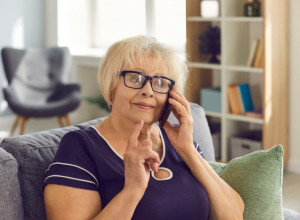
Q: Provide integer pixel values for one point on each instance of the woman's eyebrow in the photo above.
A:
(159, 74)
(154, 74)
(139, 70)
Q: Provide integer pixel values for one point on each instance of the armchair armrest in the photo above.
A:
(64, 90)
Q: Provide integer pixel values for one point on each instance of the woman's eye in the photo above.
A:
(136, 79)
(160, 83)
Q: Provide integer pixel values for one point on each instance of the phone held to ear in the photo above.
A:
(165, 115)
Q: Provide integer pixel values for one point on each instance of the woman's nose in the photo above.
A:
(147, 89)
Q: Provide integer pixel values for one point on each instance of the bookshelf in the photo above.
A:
(269, 85)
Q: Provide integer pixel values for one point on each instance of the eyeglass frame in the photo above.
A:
(124, 72)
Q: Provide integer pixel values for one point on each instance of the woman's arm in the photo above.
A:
(64, 202)
(225, 202)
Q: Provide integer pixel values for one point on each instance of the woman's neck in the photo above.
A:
(117, 132)
(123, 128)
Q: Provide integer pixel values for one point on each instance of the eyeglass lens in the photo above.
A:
(136, 80)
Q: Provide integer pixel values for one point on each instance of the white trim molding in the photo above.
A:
(51, 27)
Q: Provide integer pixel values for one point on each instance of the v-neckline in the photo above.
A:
(121, 157)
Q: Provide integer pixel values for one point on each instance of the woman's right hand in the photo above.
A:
(139, 158)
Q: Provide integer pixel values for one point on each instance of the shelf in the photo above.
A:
(244, 69)
(205, 65)
(235, 117)
(237, 34)
(213, 114)
(244, 118)
(198, 18)
(231, 68)
(226, 19)
(243, 19)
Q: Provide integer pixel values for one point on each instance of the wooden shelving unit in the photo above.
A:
(269, 85)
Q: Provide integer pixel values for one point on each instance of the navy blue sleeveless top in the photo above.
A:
(84, 159)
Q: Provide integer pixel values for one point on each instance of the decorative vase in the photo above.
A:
(209, 8)
(252, 8)
(214, 59)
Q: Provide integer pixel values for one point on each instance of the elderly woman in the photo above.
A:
(128, 167)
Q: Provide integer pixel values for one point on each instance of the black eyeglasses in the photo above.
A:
(137, 80)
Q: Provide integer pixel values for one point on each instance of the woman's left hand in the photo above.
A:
(180, 136)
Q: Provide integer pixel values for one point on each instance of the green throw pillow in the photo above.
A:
(257, 177)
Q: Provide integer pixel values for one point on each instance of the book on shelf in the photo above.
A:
(233, 99)
(252, 52)
(259, 55)
(240, 99)
(246, 97)
(255, 113)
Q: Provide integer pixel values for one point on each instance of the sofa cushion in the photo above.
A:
(11, 206)
(34, 152)
(257, 177)
(201, 131)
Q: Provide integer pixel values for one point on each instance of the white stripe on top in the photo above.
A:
(67, 177)
(72, 165)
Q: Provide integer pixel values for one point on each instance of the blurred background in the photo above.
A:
(88, 27)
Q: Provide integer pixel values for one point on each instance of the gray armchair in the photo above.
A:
(36, 84)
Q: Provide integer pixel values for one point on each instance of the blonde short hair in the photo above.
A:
(139, 49)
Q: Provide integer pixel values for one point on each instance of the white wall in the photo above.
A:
(294, 161)
(22, 25)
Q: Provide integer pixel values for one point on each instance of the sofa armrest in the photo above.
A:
(11, 206)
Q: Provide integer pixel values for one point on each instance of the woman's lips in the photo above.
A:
(143, 105)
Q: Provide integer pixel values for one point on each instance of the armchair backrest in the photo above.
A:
(38, 68)
(35, 73)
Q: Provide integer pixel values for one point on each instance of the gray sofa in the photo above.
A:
(24, 159)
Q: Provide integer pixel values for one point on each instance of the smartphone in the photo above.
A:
(165, 115)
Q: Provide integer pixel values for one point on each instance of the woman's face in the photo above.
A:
(144, 103)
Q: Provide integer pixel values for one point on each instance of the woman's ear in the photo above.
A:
(112, 96)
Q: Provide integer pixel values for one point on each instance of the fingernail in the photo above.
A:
(156, 167)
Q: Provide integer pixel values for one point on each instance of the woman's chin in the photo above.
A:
(147, 120)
